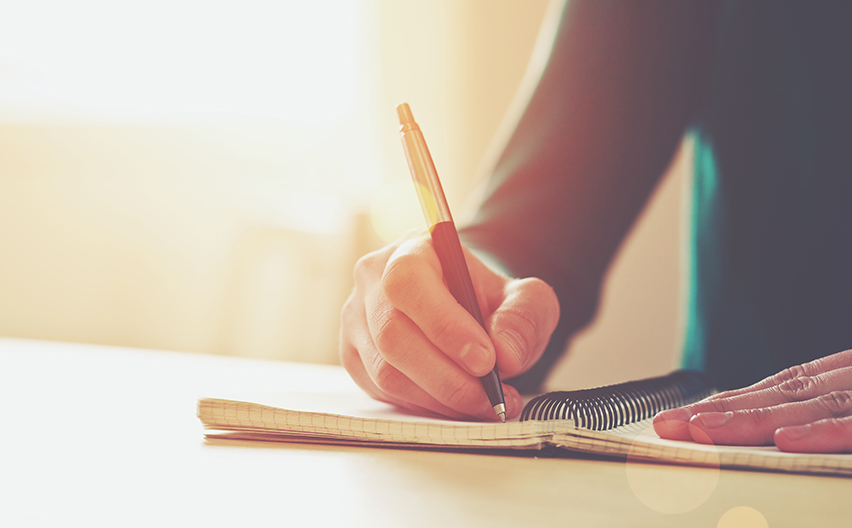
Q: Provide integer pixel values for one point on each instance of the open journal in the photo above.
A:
(612, 421)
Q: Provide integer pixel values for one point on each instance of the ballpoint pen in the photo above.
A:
(445, 239)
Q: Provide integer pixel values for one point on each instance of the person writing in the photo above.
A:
(763, 88)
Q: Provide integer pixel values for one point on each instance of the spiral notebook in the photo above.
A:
(614, 421)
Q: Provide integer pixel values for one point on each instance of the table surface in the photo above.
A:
(105, 436)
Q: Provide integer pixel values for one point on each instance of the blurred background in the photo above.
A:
(202, 176)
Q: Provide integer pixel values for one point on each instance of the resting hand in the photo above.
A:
(405, 340)
(806, 408)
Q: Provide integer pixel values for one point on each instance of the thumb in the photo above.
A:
(521, 325)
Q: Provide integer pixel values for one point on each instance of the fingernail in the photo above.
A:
(513, 342)
(795, 432)
(476, 358)
(681, 414)
(712, 420)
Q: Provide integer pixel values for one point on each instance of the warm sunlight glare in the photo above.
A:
(178, 61)
(394, 210)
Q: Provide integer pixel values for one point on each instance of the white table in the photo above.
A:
(102, 436)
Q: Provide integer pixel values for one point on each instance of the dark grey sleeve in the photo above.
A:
(624, 81)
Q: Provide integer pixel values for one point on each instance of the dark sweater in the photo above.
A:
(765, 87)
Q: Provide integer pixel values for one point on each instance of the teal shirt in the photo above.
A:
(765, 87)
(771, 252)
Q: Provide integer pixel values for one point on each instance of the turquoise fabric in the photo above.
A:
(771, 252)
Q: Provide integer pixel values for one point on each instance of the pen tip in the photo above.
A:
(404, 113)
(500, 411)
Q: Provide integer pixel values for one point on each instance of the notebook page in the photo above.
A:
(638, 441)
(353, 416)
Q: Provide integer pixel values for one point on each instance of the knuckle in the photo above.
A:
(456, 396)
(349, 309)
(369, 267)
(788, 374)
(797, 389)
(547, 299)
(348, 355)
(364, 267)
(759, 416)
(522, 323)
(837, 403)
(397, 280)
(719, 405)
(388, 330)
(541, 290)
(385, 376)
(445, 328)
(361, 265)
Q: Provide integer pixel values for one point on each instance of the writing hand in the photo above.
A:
(405, 340)
(806, 408)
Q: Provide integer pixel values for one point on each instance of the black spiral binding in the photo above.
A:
(616, 405)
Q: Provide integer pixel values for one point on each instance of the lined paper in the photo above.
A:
(370, 422)
(638, 441)
(355, 419)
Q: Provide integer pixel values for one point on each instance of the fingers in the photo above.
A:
(524, 312)
(413, 283)
(833, 435)
(405, 339)
(757, 426)
(813, 368)
(354, 336)
(522, 324)
(673, 423)
(404, 355)
(808, 412)
(441, 389)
